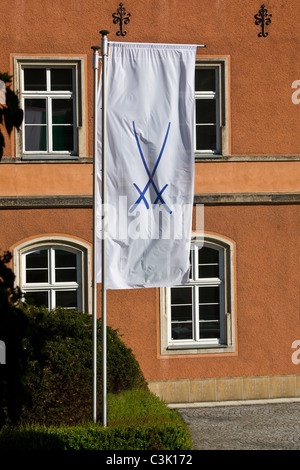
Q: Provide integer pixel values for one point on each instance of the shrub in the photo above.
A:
(92, 437)
(137, 421)
(13, 330)
(60, 379)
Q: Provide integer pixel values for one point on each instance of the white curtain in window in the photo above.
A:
(2, 92)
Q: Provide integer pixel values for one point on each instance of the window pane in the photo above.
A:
(209, 312)
(206, 138)
(65, 266)
(66, 299)
(181, 313)
(65, 275)
(208, 255)
(61, 79)
(205, 79)
(35, 138)
(37, 267)
(182, 331)
(209, 330)
(206, 111)
(35, 111)
(208, 271)
(62, 111)
(65, 259)
(37, 298)
(35, 79)
(38, 259)
(62, 138)
(181, 295)
(208, 295)
(36, 276)
(208, 263)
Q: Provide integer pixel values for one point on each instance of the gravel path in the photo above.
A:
(244, 427)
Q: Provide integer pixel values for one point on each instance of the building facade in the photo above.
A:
(234, 331)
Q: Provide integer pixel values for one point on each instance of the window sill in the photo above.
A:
(22, 161)
(207, 156)
(49, 157)
(198, 349)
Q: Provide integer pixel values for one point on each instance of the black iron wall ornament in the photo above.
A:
(263, 18)
(122, 18)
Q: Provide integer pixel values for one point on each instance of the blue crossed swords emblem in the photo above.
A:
(158, 193)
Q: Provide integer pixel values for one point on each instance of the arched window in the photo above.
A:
(53, 274)
(200, 314)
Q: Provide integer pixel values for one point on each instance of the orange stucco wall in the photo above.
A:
(267, 300)
(263, 118)
(18, 225)
(242, 177)
(45, 179)
(266, 295)
(262, 121)
(65, 179)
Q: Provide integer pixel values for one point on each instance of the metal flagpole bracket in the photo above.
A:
(96, 57)
(104, 33)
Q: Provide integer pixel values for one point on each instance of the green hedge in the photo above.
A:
(60, 379)
(166, 436)
(137, 420)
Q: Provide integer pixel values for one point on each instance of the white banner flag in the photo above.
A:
(150, 165)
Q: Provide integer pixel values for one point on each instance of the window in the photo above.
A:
(51, 97)
(200, 314)
(52, 277)
(49, 110)
(53, 274)
(210, 109)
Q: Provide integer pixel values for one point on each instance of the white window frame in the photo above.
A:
(49, 96)
(220, 95)
(52, 287)
(82, 283)
(77, 95)
(196, 283)
(225, 282)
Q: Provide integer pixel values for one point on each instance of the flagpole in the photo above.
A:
(104, 326)
(94, 403)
